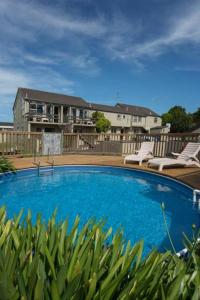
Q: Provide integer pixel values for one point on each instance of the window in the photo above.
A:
(155, 120)
(36, 108)
(81, 113)
(134, 119)
(113, 130)
(124, 116)
(139, 119)
(32, 106)
(119, 117)
(40, 109)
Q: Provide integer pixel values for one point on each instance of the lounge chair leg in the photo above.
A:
(197, 164)
(140, 163)
(160, 168)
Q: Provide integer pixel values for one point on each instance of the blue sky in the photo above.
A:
(142, 52)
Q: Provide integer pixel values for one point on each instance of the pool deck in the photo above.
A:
(189, 175)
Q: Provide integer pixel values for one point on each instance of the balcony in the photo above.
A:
(42, 118)
(54, 118)
(79, 121)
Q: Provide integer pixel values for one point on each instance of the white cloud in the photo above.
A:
(117, 35)
(39, 42)
(40, 78)
(182, 28)
(10, 80)
(49, 20)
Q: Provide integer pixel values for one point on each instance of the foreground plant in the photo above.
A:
(51, 261)
(5, 165)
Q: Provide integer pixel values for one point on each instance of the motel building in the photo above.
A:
(40, 111)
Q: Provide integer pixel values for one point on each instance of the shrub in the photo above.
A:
(5, 165)
(49, 261)
(102, 124)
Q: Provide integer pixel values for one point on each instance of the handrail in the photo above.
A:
(195, 193)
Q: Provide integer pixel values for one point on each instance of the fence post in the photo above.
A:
(62, 143)
(77, 141)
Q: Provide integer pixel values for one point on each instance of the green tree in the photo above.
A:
(179, 119)
(196, 116)
(102, 124)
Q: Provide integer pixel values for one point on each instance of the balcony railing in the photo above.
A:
(79, 121)
(55, 118)
(45, 118)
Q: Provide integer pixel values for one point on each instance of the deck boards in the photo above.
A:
(189, 175)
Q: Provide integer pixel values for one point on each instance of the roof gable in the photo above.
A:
(137, 110)
(52, 97)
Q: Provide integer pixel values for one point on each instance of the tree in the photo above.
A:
(196, 116)
(102, 124)
(179, 119)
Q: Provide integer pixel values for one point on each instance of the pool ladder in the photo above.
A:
(195, 200)
(41, 171)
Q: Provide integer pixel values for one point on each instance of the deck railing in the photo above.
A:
(30, 143)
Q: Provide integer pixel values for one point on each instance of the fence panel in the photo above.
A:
(20, 143)
(30, 143)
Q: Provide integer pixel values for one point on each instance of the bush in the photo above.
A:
(49, 261)
(102, 124)
(5, 165)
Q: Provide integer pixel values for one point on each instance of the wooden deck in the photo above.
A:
(189, 175)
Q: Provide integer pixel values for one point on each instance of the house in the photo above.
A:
(126, 118)
(195, 129)
(50, 112)
(6, 126)
(39, 111)
(160, 129)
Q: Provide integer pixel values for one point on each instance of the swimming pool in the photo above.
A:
(126, 198)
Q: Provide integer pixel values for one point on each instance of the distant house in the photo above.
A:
(196, 128)
(6, 126)
(41, 111)
(160, 129)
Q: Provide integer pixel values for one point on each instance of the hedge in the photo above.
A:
(52, 261)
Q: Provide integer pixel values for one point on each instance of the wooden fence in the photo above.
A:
(29, 144)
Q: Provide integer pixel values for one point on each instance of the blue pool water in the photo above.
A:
(126, 198)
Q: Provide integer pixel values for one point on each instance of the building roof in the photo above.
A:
(55, 98)
(195, 128)
(52, 97)
(137, 110)
(107, 108)
(6, 124)
(159, 127)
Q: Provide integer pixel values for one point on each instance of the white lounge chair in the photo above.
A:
(187, 157)
(145, 153)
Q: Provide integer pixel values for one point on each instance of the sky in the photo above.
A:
(140, 52)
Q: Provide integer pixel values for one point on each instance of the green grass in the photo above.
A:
(51, 261)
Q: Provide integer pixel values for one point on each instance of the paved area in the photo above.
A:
(189, 175)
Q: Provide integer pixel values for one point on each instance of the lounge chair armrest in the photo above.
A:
(175, 153)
